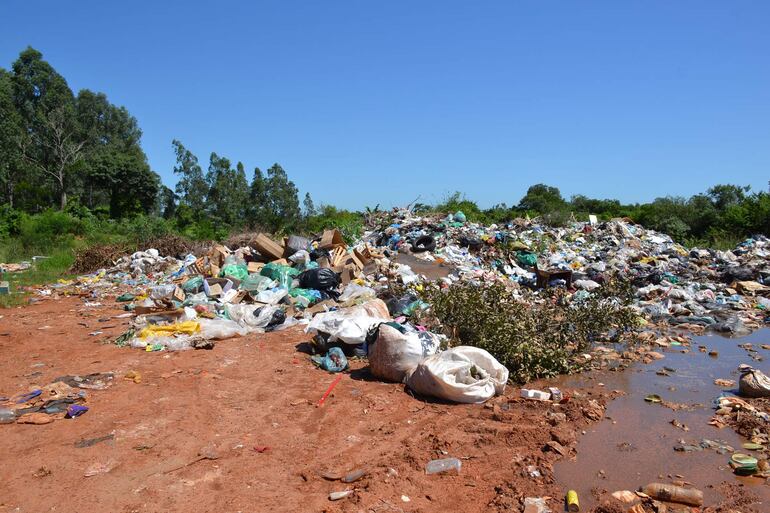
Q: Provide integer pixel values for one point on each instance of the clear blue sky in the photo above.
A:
(377, 102)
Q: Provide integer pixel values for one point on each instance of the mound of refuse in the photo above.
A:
(361, 299)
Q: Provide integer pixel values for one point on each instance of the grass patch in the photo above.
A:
(46, 271)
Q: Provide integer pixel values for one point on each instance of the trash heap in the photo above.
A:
(697, 289)
(362, 300)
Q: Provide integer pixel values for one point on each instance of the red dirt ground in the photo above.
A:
(247, 394)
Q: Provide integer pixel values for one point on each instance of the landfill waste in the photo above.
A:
(360, 299)
(395, 350)
(672, 493)
(443, 465)
(462, 374)
(573, 504)
(63, 398)
(334, 361)
(753, 382)
(535, 505)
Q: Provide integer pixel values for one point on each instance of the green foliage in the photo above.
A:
(350, 224)
(531, 338)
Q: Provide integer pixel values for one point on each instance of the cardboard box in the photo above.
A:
(255, 267)
(179, 294)
(267, 247)
(331, 239)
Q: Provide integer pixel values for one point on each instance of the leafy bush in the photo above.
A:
(539, 336)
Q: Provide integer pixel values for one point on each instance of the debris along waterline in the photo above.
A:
(639, 442)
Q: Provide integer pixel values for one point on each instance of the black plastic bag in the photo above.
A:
(319, 279)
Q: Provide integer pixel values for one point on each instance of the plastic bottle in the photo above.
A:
(443, 465)
(7, 416)
(671, 493)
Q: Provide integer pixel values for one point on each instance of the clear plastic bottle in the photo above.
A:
(443, 465)
(7, 416)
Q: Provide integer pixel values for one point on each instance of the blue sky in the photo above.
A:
(379, 102)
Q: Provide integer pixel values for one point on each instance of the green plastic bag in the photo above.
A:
(526, 258)
(257, 283)
(193, 284)
(283, 274)
(238, 271)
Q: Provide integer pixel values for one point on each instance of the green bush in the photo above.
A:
(535, 337)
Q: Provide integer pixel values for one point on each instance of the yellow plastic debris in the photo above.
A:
(183, 328)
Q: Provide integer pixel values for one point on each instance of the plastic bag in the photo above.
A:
(462, 374)
(156, 330)
(218, 329)
(162, 291)
(355, 292)
(753, 383)
(283, 274)
(271, 296)
(319, 279)
(257, 283)
(334, 361)
(350, 325)
(300, 257)
(526, 258)
(193, 285)
(393, 354)
(238, 271)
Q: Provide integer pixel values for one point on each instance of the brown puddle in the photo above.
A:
(431, 270)
(634, 445)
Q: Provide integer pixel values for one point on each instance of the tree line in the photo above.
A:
(81, 154)
(79, 151)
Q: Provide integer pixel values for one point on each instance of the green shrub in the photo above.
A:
(537, 336)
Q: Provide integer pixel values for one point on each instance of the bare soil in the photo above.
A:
(238, 428)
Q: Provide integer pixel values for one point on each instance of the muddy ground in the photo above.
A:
(238, 428)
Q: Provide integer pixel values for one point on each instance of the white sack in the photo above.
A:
(450, 375)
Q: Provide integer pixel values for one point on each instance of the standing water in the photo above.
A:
(634, 444)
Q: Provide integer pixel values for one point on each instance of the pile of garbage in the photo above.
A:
(723, 291)
(346, 295)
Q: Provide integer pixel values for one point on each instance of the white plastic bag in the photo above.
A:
(217, 329)
(350, 325)
(354, 292)
(392, 355)
(463, 374)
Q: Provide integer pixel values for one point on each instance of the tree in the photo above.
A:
(543, 199)
(114, 161)
(256, 212)
(50, 140)
(10, 130)
(191, 187)
(308, 205)
(726, 195)
(228, 190)
(281, 195)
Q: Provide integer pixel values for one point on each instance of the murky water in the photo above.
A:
(634, 445)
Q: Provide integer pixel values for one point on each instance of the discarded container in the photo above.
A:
(671, 493)
(573, 505)
(7, 416)
(535, 505)
(753, 383)
(743, 463)
(556, 395)
(537, 395)
(335, 496)
(443, 465)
